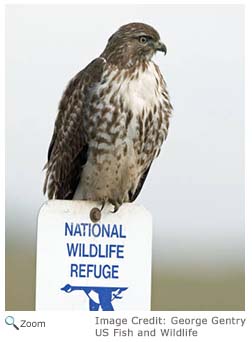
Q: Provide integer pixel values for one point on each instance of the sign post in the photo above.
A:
(85, 265)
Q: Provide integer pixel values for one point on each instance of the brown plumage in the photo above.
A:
(112, 120)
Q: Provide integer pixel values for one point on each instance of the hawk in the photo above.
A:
(112, 120)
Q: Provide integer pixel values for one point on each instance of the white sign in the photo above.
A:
(82, 265)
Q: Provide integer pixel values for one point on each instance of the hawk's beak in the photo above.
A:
(159, 46)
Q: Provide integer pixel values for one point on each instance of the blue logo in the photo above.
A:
(104, 295)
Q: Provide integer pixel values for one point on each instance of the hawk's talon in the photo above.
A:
(103, 205)
(116, 207)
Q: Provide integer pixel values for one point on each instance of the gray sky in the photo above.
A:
(195, 189)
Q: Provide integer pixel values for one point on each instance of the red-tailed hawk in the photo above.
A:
(112, 120)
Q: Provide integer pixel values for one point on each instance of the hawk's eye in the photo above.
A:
(143, 39)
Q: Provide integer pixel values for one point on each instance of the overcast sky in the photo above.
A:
(195, 189)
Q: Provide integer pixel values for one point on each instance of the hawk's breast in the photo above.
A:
(140, 89)
(128, 121)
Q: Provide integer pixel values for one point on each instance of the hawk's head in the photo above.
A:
(132, 43)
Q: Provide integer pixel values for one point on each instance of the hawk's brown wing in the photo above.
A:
(69, 146)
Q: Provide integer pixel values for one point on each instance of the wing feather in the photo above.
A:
(68, 149)
(133, 196)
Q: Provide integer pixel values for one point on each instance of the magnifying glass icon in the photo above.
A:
(10, 321)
